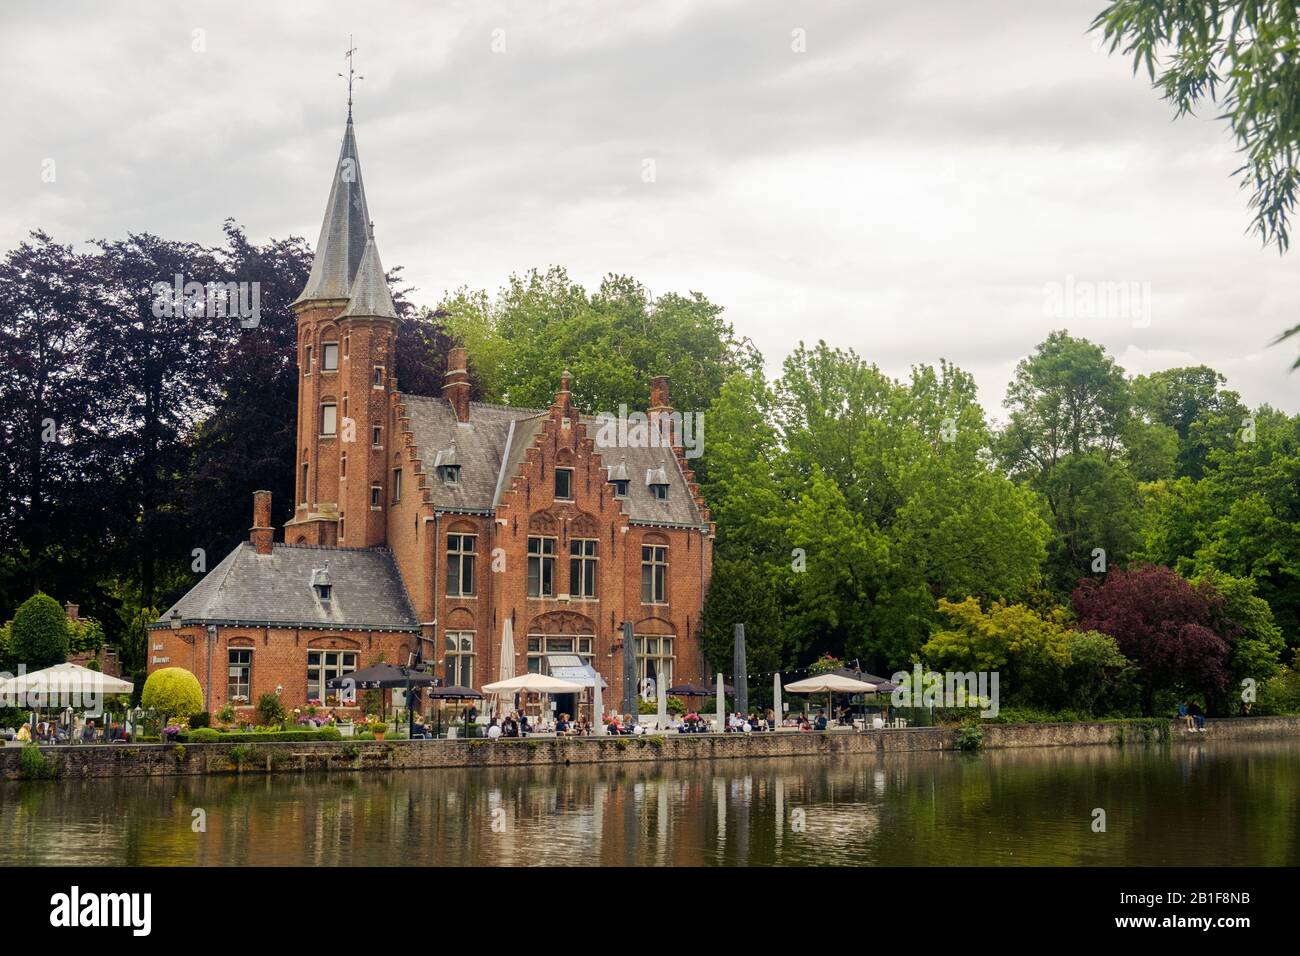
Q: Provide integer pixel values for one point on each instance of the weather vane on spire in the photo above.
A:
(351, 73)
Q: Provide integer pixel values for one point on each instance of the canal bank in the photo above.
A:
(127, 760)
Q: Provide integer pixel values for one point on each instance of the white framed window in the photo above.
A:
(654, 574)
(458, 665)
(239, 684)
(325, 666)
(376, 497)
(397, 485)
(329, 355)
(329, 419)
(377, 436)
(654, 661)
(541, 566)
(378, 379)
(461, 555)
(582, 568)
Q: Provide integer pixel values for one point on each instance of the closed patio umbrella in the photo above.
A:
(506, 667)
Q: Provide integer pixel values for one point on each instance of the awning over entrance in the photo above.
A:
(570, 667)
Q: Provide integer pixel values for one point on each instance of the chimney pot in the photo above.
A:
(262, 534)
(456, 388)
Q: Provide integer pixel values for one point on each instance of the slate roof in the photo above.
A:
(370, 296)
(344, 231)
(497, 435)
(250, 588)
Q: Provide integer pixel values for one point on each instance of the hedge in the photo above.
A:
(207, 735)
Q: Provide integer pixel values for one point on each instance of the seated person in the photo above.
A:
(562, 725)
(493, 731)
(821, 722)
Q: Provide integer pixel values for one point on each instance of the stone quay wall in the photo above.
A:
(119, 760)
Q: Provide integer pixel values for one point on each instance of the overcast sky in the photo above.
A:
(941, 179)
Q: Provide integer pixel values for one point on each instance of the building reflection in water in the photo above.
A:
(1203, 803)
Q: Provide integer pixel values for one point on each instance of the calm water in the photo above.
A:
(1208, 804)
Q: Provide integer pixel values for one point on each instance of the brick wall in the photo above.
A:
(163, 760)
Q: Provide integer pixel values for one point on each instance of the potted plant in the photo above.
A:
(378, 730)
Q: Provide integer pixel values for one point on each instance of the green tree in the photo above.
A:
(613, 341)
(172, 692)
(1193, 405)
(1257, 642)
(1069, 412)
(739, 593)
(40, 633)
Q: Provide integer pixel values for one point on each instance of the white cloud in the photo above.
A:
(905, 187)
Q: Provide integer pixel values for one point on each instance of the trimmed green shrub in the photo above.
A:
(173, 692)
(201, 719)
(40, 633)
(269, 708)
(210, 735)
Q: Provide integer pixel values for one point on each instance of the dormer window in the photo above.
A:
(447, 466)
(321, 584)
(618, 477)
(656, 480)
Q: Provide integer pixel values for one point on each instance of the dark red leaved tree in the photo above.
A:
(1168, 626)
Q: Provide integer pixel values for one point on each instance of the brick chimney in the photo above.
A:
(261, 534)
(661, 409)
(456, 388)
(73, 611)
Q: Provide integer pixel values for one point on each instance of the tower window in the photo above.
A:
(377, 436)
(375, 497)
(343, 465)
(306, 361)
(397, 485)
(305, 471)
(330, 356)
(378, 379)
(329, 419)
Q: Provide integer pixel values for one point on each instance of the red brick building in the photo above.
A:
(422, 525)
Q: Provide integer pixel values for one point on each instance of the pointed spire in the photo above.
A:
(370, 296)
(343, 233)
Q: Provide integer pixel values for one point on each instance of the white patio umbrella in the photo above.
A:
(59, 686)
(506, 669)
(533, 684)
(63, 685)
(830, 684)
